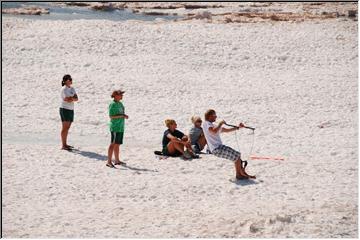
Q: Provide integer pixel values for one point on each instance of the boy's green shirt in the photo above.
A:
(117, 124)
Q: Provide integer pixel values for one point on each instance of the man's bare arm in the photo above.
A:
(216, 129)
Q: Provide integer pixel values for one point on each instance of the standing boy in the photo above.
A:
(117, 123)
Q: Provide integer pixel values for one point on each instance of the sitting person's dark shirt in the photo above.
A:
(166, 140)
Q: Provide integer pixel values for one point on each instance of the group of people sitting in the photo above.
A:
(175, 143)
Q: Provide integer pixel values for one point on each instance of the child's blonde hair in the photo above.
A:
(194, 119)
(169, 122)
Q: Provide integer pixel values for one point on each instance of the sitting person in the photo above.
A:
(217, 148)
(196, 134)
(175, 141)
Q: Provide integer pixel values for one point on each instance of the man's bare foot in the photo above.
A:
(244, 174)
(250, 176)
(240, 177)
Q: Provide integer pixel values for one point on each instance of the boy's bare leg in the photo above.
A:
(202, 142)
(117, 153)
(110, 153)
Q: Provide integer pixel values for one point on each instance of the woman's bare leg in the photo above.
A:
(173, 146)
(188, 147)
(64, 133)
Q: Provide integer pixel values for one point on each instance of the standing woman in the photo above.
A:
(117, 123)
(68, 97)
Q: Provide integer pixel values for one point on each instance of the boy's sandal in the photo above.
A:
(120, 163)
(110, 165)
(66, 148)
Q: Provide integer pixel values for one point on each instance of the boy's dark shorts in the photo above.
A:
(66, 115)
(117, 137)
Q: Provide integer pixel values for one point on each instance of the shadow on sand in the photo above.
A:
(246, 182)
(91, 155)
(100, 157)
(138, 169)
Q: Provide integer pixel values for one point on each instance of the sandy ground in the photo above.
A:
(295, 82)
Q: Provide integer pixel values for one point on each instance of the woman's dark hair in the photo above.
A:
(65, 78)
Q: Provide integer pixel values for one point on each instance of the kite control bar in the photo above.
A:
(238, 126)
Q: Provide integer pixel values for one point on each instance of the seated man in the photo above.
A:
(196, 134)
(212, 135)
(175, 141)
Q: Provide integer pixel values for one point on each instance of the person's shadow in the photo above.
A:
(245, 182)
(100, 157)
(91, 155)
(138, 169)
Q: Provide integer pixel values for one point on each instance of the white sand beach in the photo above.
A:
(295, 82)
